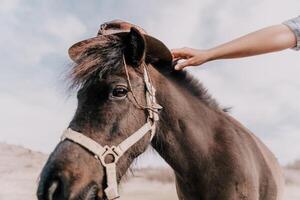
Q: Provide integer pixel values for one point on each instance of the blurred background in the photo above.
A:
(263, 91)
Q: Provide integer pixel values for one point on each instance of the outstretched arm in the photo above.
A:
(270, 39)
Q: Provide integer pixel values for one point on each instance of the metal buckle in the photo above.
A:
(109, 151)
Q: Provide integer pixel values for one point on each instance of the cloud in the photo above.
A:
(37, 123)
(65, 29)
(7, 6)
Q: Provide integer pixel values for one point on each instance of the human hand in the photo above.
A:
(191, 57)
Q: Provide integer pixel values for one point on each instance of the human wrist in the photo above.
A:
(211, 54)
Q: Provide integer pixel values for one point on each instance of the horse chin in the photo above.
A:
(52, 189)
(93, 194)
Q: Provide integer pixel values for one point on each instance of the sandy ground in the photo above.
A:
(20, 168)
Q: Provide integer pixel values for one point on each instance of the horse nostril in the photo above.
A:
(53, 189)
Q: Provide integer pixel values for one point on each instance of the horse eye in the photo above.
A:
(119, 92)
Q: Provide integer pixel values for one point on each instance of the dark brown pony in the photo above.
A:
(213, 156)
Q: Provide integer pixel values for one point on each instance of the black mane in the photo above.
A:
(195, 87)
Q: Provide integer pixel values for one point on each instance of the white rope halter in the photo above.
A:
(100, 152)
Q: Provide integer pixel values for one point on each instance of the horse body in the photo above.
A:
(213, 156)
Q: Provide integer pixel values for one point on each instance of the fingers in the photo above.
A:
(184, 64)
(181, 53)
(191, 56)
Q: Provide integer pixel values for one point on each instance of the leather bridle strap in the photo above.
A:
(100, 152)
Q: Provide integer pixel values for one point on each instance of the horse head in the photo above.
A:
(115, 119)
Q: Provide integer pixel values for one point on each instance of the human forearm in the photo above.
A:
(270, 39)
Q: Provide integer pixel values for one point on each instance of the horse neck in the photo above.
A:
(185, 129)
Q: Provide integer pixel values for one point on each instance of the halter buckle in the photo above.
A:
(113, 151)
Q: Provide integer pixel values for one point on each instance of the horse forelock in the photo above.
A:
(97, 59)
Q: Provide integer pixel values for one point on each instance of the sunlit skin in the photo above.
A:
(266, 40)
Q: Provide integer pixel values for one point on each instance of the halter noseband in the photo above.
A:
(100, 152)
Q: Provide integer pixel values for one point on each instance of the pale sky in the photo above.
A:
(264, 91)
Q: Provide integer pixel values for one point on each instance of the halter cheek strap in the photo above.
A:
(100, 152)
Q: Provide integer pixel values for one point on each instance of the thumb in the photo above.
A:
(183, 64)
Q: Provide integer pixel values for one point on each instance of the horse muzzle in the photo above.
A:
(71, 173)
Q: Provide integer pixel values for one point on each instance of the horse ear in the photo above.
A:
(156, 53)
(135, 47)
